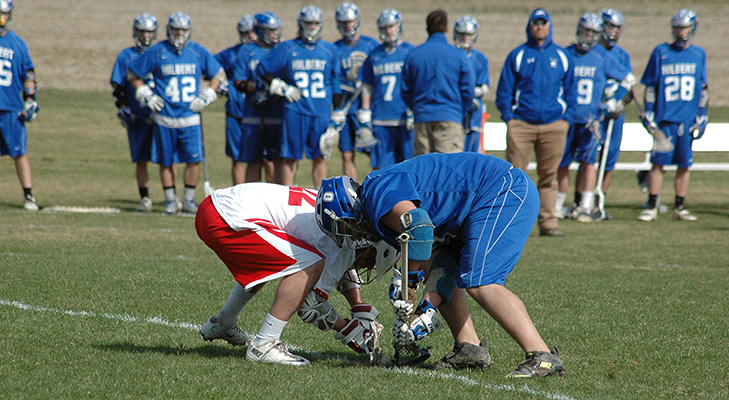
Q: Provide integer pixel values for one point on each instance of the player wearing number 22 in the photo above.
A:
(676, 99)
(468, 217)
(177, 66)
(307, 72)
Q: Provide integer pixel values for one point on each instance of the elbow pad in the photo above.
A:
(417, 224)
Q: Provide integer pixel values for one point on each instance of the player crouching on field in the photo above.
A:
(264, 231)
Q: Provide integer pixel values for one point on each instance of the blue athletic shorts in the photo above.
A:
(682, 155)
(13, 135)
(395, 145)
(140, 137)
(301, 134)
(177, 145)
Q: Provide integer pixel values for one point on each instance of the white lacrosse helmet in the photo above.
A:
(613, 22)
(387, 19)
(465, 32)
(141, 28)
(182, 24)
(6, 6)
(681, 19)
(589, 30)
(345, 14)
(246, 29)
(311, 21)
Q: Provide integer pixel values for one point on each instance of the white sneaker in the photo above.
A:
(234, 335)
(145, 205)
(683, 215)
(30, 204)
(648, 215)
(172, 207)
(275, 352)
(189, 206)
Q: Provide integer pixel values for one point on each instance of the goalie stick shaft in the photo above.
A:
(206, 185)
(601, 172)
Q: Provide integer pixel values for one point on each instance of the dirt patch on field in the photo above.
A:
(74, 42)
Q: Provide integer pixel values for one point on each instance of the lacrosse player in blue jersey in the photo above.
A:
(465, 33)
(382, 77)
(593, 66)
(18, 104)
(228, 58)
(134, 116)
(306, 72)
(676, 102)
(177, 66)
(353, 50)
(466, 218)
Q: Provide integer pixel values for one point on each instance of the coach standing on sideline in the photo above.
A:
(535, 101)
(437, 85)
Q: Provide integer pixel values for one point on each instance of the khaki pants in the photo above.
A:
(547, 142)
(438, 137)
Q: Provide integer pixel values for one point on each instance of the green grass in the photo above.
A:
(637, 310)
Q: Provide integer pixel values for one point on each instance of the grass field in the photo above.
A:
(108, 306)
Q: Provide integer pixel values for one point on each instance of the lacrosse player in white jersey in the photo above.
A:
(264, 231)
(18, 104)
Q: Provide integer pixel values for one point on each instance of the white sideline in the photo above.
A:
(635, 138)
(196, 327)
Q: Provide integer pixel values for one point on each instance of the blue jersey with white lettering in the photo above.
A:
(228, 58)
(678, 76)
(447, 186)
(591, 72)
(351, 59)
(177, 76)
(249, 57)
(383, 71)
(119, 77)
(15, 63)
(480, 65)
(313, 68)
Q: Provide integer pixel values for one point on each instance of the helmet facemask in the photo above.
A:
(144, 31)
(179, 29)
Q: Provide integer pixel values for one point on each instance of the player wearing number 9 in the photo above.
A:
(310, 65)
(177, 66)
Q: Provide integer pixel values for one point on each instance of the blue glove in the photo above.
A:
(224, 88)
(126, 117)
(699, 127)
(648, 118)
(338, 118)
(30, 110)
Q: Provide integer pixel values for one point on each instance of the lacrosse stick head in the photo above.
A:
(328, 140)
(208, 189)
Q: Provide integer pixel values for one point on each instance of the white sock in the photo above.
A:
(587, 201)
(170, 194)
(228, 315)
(561, 197)
(189, 194)
(270, 330)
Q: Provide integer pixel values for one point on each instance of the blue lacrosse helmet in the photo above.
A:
(339, 212)
(589, 30)
(307, 16)
(143, 24)
(465, 32)
(347, 12)
(388, 18)
(179, 21)
(268, 28)
(613, 22)
(681, 19)
(246, 25)
(6, 6)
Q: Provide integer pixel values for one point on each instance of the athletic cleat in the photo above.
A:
(642, 177)
(570, 212)
(682, 214)
(189, 206)
(172, 207)
(554, 232)
(464, 356)
(539, 364)
(30, 204)
(584, 215)
(234, 335)
(648, 215)
(411, 354)
(145, 205)
(274, 352)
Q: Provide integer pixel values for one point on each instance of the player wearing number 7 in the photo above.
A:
(176, 98)
(676, 99)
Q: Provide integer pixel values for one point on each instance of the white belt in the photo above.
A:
(170, 122)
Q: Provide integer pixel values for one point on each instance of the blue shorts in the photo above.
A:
(301, 134)
(471, 142)
(177, 145)
(496, 230)
(682, 155)
(581, 146)
(140, 137)
(348, 135)
(395, 145)
(14, 136)
(615, 140)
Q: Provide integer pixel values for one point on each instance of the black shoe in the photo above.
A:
(554, 232)
(539, 364)
(464, 356)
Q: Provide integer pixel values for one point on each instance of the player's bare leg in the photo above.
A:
(22, 168)
(268, 168)
(285, 171)
(348, 166)
(238, 172)
(318, 171)
(253, 172)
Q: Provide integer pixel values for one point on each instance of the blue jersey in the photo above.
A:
(228, 59)
(249, 57)
(177, 76)
(677, 75)
(445, 185)
(351, 59)
(591, 72)
(15, 63)
(480, 65)
(119, 77)
(383, 71)
(313, 68)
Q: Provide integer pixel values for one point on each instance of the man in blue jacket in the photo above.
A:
(536, 102)
(437, 85)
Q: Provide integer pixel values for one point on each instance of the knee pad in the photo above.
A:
(418, 225)
(443, 276)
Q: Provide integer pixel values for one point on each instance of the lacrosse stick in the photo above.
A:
(660, 141)
(208, 188)
(601, 172)
(330, 137)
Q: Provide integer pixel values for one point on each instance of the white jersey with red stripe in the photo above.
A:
(289, 210)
